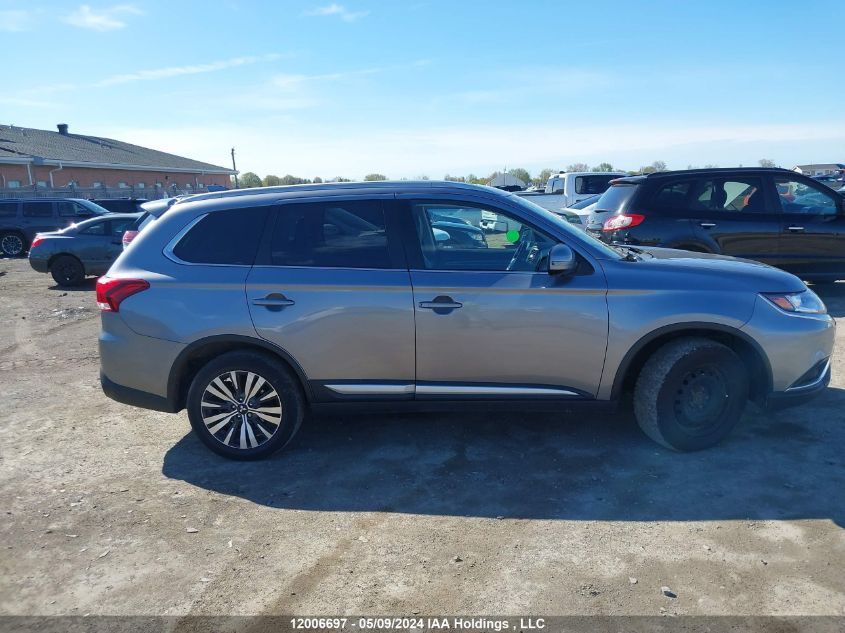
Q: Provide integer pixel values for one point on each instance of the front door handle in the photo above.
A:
(274, 300)
(707, 225)
(795, 229)
(441, 305)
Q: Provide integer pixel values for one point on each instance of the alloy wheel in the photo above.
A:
(11, 245)
(241, 409)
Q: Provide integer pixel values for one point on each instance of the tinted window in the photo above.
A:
(71, 209)
(615, 198)
(672, 196)
(798, 196)
(8, 209)
(223, 237)
(38, 209)
(593, 184)
(97, 228)
(341, 234)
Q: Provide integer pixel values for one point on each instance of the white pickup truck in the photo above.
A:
(567, 188)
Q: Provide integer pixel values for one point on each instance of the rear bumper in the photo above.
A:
(134, 397)
(39, 264)
(799, 395)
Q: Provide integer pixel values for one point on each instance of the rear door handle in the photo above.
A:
(274, 301)
(441, 303)
(795, 229)
(707, 225)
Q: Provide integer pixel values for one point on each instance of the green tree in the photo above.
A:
(475, 180)
(604, 167)
(522, 174)
(765, 162)
(249, 179)
(271, 181)
(543, 177)
(581, 167)
(340, 179)
(318, 180)
(374, 177)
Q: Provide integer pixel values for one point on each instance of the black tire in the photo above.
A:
(690, 394)
(244, 426)
(12, 244)
(67, 271)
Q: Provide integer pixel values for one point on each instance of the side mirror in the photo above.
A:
(562, 260)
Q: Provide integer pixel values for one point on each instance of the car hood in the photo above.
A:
(715, 271)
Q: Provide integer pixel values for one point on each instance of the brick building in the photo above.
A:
(45, 160)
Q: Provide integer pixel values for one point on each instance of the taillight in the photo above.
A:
(623, 221)
(36, 241)
(111, 292)
(128, 236)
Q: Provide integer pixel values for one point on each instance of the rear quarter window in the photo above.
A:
(38, 209)
(224, 237)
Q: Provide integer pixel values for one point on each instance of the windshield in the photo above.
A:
(564, 225)
(93, 206)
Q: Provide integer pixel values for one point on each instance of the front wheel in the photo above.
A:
(690, 394)
(244, 405)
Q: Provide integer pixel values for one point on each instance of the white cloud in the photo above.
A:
(177, 71)
(13, 20)
(107, 19)
(338, 10)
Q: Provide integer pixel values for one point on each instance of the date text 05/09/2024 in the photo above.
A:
(385, 624)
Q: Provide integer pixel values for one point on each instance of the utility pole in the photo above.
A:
(235, 168)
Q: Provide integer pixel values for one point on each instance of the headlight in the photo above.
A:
(806, 302)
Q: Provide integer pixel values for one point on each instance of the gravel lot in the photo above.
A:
(115, 510)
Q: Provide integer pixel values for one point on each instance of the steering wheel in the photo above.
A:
(523, 249)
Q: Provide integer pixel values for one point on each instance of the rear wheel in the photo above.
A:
(67, 271)
(12, 244)
(244, 405)
(690, 394)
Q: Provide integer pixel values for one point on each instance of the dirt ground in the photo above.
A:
(110, 509)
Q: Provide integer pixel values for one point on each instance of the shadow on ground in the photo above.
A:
(89, 284)
(789, 465)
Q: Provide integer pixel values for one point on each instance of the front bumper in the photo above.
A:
(801, 393)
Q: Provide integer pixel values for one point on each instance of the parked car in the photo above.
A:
(579, 212)
(121, 205)
(21, 219)
(251, 307)
(566, 188)
(774, 216)
(83, 249)
(151, 211)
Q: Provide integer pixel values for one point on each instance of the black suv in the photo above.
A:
(775, 216)
(21, 220)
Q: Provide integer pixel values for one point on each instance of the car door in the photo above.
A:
(812, 238)
(736, 215)
(490, 322)
(91, 245)
(39, 216)
(332, 289)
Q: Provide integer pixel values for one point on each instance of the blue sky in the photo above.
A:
(429, 88)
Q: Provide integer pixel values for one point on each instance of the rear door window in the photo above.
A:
(229, 237)
(96, 228)
(342, 234)
(38, 209)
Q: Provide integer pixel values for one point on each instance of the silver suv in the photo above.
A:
(251, 307)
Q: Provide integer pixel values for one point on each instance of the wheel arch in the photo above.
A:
(195, 355)
(749, 351)
(55, 256)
